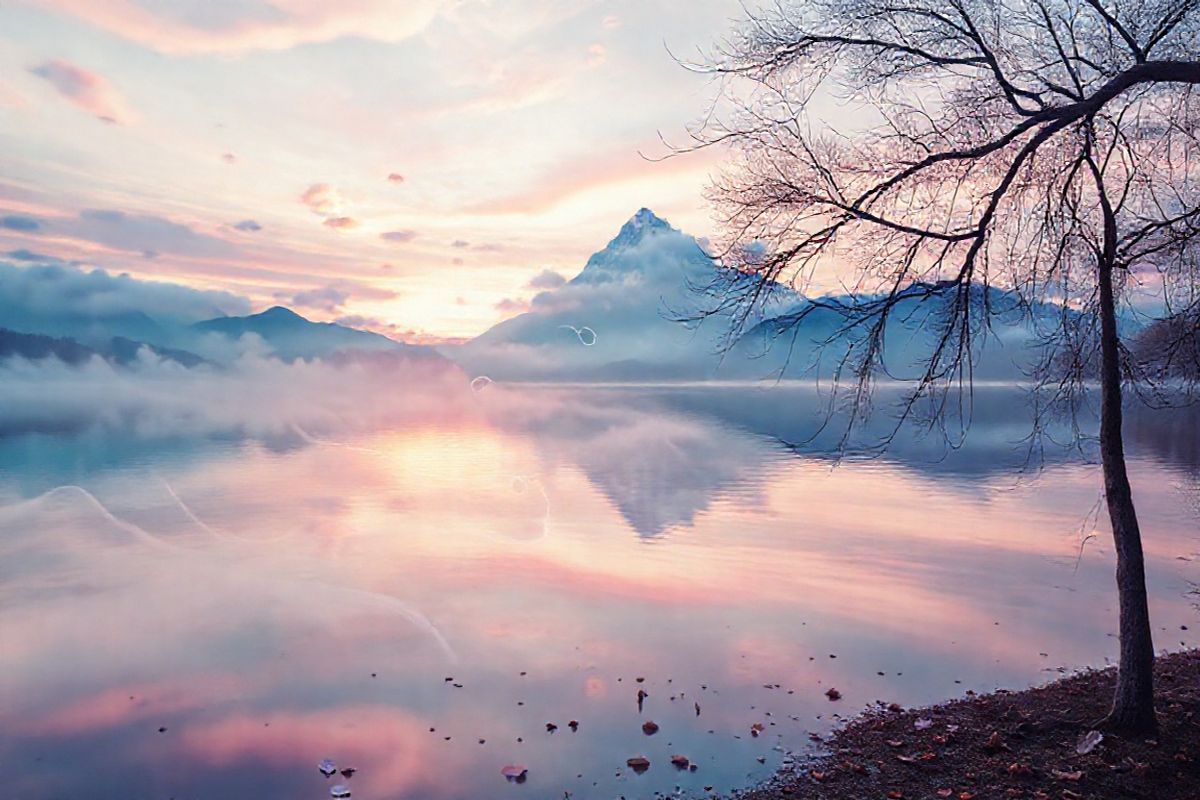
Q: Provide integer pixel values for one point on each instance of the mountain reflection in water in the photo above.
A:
(419, 602)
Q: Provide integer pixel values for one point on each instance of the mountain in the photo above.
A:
(616, 319)
(619, 320)
(816, 337)
(116, 314)
(291, 336)
(117, 350)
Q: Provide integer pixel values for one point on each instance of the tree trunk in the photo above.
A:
(1133, 703)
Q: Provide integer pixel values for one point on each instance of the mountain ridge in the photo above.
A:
(633, 293)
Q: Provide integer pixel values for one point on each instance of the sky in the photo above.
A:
(419, 167)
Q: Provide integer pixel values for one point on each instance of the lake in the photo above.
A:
(210, 616)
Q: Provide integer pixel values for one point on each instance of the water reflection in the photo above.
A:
(419, 602)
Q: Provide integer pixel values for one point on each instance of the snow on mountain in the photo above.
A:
(617, 319)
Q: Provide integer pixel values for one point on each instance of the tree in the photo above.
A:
(1050, 148)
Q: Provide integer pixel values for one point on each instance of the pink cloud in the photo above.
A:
(393, 748)
(323, 199)
(395, 177)
(511, 305)
(226, 28)
(576, 176)
(86, 90)
(597, 54)
(127, 703)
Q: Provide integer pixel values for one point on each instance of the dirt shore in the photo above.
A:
(1012, 745)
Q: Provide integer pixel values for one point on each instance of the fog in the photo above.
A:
(257, 396)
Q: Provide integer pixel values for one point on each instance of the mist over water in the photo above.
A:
(415, 585)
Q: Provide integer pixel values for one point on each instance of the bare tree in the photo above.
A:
(940, 149)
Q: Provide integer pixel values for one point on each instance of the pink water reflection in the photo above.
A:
(311, 601)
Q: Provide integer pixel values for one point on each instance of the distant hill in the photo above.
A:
(1170, 348)
(118, 350)
(292, 336)
(814, 337)
(115, 315)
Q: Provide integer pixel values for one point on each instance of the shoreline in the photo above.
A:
(1010, 745)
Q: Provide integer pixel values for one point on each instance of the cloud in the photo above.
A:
(611, 22)
(327, 298)
(510, 305)
(326, 201)
(394, 331)
(597, 54)
(332, 297)
(546, 279)
(189, 27)
(398, 236)
(576, 175)
(248, 225)
(254, 396)
(54, 292)
(229, 158)
(16, 222)
(86, 90)
(460, 243)
(141, 233)
(359, 321)
(323, 199)
(395, 177)
(28, 255)
(341, 223)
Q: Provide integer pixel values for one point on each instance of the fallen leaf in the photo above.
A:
(1067, 776)
(638, 764)
(995, 742)
(649, 728)
(514, 772)
(1089, 742)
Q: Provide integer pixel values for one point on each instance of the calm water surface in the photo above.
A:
(210, 618)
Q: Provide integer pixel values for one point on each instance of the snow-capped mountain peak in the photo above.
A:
(639, 225)
(645, 246)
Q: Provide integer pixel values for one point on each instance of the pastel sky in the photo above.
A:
(410, 165)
